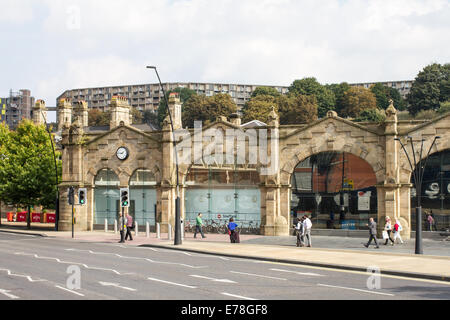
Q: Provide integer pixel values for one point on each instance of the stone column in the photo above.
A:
(64, 113)
(39, 113)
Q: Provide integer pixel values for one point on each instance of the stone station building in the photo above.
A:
(239, 189)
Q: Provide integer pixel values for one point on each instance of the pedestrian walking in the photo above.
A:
(233, 232)
(307, 225)
(130, 227)
(387, 231)
(430, 221)
(122, 227)
(372, 233)
(397, 228)
(299, 232)
(198, 226)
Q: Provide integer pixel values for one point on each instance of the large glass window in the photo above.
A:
(143, 197)
(336, 189)
(220, 194)
(435, 193)
(106, 197)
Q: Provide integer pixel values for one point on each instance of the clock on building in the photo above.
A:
(122, 153)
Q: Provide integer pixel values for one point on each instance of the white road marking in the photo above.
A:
(299, 273)
(236, 296)
(212, 279)
(9, 295)
(71, 291)
(172, 283)
(138, 258)
(360, 290)
(110, 284)
(21, 275)
(74, 263)
(258, 275)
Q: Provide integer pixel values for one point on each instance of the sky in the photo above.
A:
(49, 46)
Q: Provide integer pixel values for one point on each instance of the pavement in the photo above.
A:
(329, 252)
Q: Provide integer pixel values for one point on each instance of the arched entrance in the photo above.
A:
(143, 197)
(336, 189)
(222, 193)
(435, 195)
(106, 197)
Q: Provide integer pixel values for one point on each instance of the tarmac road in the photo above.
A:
(39, 268)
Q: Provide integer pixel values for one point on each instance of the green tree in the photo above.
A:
(259, 108)
(371, 115)
(294, 109)
(383, 94)
(137, 116)
(27, 172)
(339, 90)
(266, 91)
(326, 99)
(430, 88)
(357, 99)
(98, 118)
(207, 109)
(184, 93)
(445, 107)
(150, 117)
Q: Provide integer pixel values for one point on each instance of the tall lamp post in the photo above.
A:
(177, 238)
(56, 174)
(418, 178)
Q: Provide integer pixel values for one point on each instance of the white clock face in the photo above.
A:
(122, 153)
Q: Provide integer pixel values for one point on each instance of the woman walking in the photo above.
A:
(397, 228)
(388, 230)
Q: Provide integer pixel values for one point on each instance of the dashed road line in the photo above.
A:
(299, 273)
(29, 278)
(237, 296)
(354, 289)
(172, 283)
(71, 291)
(8, 294)
(258, 275)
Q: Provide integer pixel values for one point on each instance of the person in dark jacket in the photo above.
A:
(372, 232)
(232, 230)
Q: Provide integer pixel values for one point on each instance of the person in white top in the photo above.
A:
(299, 232)
(307, 225)
(397, 228)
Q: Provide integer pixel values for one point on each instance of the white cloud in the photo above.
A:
(263, 42)
(16, 11)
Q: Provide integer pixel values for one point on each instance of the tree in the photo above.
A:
(259, 107)
(371, 115)
(207, 109)
(150, 117)
(27, 172)
(184, 93)
(294, 109)
(266, 91)
(326, 99)
(357, 99)
(137, 116)
(98, 118)
(339, 90)
(383, 94)
(430, 88)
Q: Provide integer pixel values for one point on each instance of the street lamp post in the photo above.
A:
(418, 177)
(177, 238)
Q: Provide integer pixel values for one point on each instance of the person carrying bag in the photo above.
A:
(233, 232)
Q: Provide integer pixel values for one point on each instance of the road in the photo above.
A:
(33, 267)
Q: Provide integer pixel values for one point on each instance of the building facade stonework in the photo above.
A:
(89, 154)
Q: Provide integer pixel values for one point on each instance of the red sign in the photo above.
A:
(21, 216)
(51, 218)
(219, 216)
(35, 217)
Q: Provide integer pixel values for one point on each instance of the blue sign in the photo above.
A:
(348, 224)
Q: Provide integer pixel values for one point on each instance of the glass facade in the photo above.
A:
(435, 193)
(220, 194)
(337, 190)
(106, 197)
(143, 197)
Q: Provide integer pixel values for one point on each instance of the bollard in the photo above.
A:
(115, 226)
(136, 229)
(158, 231)
(106, 225)
(169, 231)
(147, 229)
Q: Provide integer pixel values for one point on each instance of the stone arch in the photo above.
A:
(357, 149)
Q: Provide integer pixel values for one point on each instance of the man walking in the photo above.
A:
(307, 225)
(122, 227)
(198, 226)
(129, 227)
(373, 233)
(299, 232)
